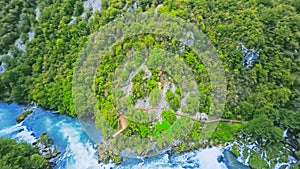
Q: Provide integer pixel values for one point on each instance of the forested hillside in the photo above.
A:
(267, 94)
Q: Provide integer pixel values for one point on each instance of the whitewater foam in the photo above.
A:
(79, 154)
(19, 133)
(25, 135)
(292, 160)
(285, 133)
(20, 45)
(11, 129)
(206, 158)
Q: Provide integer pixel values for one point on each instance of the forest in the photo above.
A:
(14, 155)
(267, 95)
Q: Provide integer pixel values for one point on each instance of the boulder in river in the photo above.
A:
(21, 117)
(220, 158)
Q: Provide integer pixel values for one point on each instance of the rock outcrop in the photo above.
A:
(22, 117)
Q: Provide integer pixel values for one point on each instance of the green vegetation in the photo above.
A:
(117, 159)
(44, 138)
(245, 152)
(169, 116)
(139, 89)
(173, 100)
(16, 23)
(22, 116)
(226, 132)
(193, 104)
(161, 127)
(255, 161)
(14, 155)
(262, 128)
(267, 95)
(155, 97)
(297, 165)
(44, 72)
(235, 150)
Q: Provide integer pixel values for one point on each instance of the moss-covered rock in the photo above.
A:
(235, 150)
(107, 153)
(257, 162)
(44, 144)
(245, 152)
(117, 159)
(22, 117)
(44, 138)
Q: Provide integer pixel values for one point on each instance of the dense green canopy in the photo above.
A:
(266, 94)
(14, 155)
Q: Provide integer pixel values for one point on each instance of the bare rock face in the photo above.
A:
(106, 153)
(127, 152)
(103, 153)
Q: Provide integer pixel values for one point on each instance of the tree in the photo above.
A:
(20, 155)
(161, 127)
(169, 116)
(261, 128)
(247, 110)
(192, 104)
(155, 97)
(173, 100)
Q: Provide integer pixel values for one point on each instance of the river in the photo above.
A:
(78, 149)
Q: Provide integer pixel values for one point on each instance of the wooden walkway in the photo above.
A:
(210, 121)
(123, 121)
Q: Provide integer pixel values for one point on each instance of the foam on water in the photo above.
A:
(160, 161)
(285, 133)
(11, 129)
(25, 136)
(31, 34)
(2, 67)
(292, 160)
(20, 45)
(241, 158)
(84, 154)
(37, 12)
(73, 20)
(206, 158)
(19, 133)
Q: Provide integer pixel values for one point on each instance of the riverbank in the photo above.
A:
(211, 134)
(78, 150)
(226, 136)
